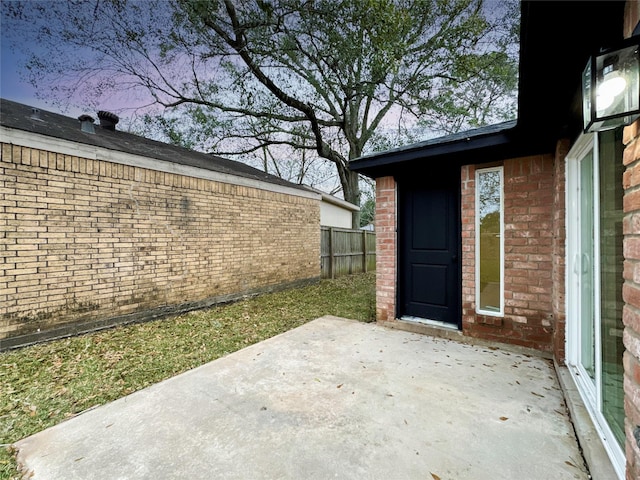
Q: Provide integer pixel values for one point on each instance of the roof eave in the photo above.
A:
(339, 202)
(369, 165)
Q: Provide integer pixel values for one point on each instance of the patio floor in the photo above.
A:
(334, 398)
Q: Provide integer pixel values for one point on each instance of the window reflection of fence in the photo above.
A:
(490, 280)
(344, 251)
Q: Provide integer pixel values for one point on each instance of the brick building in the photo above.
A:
(527, 232)
(100, 226)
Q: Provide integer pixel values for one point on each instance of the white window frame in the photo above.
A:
(480, 311)
(591, 393)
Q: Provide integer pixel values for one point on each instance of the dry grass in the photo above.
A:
(44, 384)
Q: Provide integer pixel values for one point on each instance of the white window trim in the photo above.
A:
(591, 396)
(479, 311)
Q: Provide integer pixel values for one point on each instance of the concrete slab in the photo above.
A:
(334, 398)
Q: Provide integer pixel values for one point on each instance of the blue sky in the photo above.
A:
(12, 86)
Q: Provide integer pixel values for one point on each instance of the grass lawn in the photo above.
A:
(44, 384)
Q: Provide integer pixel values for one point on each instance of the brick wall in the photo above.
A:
(528, 230)
(631, 296)
(631, 288)
(468, 241)
(558, 268)
(385, 223)
(87, 239)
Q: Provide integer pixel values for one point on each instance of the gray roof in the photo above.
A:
(19, 116)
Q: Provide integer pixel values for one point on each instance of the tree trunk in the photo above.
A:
(351, 190)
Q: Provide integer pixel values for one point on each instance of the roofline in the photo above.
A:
(339, 202)
(26, 138)
(456, 145)
(333, 199)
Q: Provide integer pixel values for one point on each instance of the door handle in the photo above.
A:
(581, 263)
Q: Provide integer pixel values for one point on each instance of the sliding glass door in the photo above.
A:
(584, 267)
(594, 283)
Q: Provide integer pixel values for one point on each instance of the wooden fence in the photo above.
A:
(344, 251)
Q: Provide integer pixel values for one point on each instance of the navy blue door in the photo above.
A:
(429, 247)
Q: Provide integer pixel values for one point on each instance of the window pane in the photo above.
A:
(489, 191)
(611, 280)
(586, 267)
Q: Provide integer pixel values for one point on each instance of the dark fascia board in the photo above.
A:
(496, 147)
(494, 137)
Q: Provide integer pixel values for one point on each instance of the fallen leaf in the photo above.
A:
(340, 386)
(435, 477)
(504, 418)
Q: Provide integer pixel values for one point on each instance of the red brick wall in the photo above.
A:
(631, 296)
(385, 223)
(468, 233)
(529, 246)
(631, 289)
(558, 267)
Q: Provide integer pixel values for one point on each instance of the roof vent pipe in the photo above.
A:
(108, 120)
(86, 124)
(35, 114)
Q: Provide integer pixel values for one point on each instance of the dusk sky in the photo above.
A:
(14, 87)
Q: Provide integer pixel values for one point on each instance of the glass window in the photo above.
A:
(489, 241)
(611, 280)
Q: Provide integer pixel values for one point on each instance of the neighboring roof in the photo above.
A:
(556, 39)
(18, 116)
(334, 200)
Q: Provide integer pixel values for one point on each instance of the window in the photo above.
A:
(489, 242)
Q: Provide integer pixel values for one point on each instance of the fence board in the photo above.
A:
(344, 251)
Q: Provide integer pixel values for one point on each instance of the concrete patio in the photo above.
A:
(334, 398)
